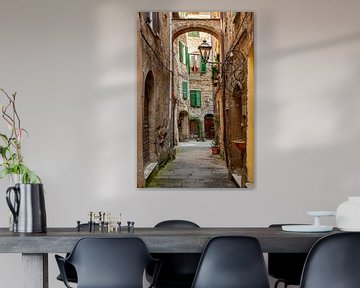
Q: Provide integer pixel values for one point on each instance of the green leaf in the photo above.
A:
(3, 151)
(3, 173)
(4, 137)
(26, 132)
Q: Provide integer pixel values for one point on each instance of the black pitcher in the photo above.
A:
(28, 207)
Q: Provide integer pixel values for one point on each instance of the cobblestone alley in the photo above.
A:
(194, 167)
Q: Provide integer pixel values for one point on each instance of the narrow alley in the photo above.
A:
(194, 167)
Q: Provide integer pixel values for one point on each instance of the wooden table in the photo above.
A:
(35, 247)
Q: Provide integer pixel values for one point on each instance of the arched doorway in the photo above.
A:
(183, 126)
(194, 128)
(209, 126)
(148, 99)
(237, 131)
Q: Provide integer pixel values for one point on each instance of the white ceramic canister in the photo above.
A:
(348, 214)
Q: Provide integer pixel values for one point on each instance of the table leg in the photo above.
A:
(35, 270)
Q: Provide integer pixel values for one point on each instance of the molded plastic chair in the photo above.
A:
(232, 262)
(178, 269)
(333, 262)
(108, 263)
(70, 273)
(69, 269)
(176, 224)
(286, 267)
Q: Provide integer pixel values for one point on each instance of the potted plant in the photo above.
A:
(215, 149)
(26, 197)
(214, 74)
(12, 161)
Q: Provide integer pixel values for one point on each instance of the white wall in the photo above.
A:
(73, 65)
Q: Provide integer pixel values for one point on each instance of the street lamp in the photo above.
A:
(205, 49)
(233, 67)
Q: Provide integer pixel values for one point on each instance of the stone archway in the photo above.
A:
(211, 26)
(195, 125)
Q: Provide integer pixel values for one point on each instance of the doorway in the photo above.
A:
(149, 90)
(209, 126)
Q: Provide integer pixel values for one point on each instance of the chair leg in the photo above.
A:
(279, 281)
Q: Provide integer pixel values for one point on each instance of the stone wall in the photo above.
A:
(238, 42)
(154, 110)
(180, 75)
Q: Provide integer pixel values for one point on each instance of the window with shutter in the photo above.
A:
(184, 90)
(194, 34)
(152, 18)
(187, 59)
(198, 99)
(181, 51)
(195, 98)
(156, 22)
(194, 63)
(203, 65)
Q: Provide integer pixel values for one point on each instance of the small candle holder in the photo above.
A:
(318, 214)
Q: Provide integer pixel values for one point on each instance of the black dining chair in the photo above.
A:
(108, 263)
(333, 262)
(286, 267)
(232, 262)
(69, 269)
(178, 269)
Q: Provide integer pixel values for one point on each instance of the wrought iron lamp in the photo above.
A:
(233, 64)
(205, 49)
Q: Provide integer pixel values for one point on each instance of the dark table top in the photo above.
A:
(158, 240)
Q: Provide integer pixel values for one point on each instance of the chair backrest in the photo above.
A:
(178, 269)
(176, 224)
(110, 262)
(333, 262)
(232, 262)
(286, 267)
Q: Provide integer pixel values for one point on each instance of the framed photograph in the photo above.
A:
(195, 100)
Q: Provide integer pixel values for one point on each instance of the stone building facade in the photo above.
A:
(195, 106)
(181, 66)
(202, 111)
(235, 95)
(194, 89)
(154, 98)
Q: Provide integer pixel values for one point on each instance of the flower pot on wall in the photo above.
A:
(348, 214)
(240, 144)
(27, 204)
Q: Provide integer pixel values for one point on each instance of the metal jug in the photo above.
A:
(28, 207)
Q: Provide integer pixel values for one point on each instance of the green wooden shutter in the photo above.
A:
(181, 52)
(187, 59)
(203, 65)
(184, 90)
(198, 98)
(194, 34)
(193, 98)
